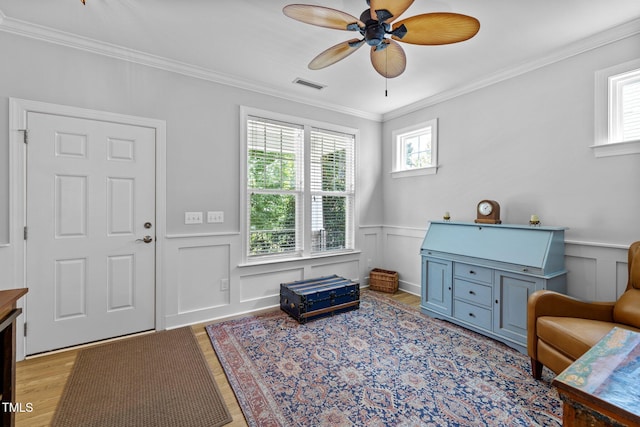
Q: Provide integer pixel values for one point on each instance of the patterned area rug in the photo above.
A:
(384, 364)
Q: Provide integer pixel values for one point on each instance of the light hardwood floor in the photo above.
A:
(40, 380)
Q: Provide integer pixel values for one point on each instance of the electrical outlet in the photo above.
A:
(215, 216)
(193, 217)
(224, 284)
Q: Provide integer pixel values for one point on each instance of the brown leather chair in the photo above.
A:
(560, 328)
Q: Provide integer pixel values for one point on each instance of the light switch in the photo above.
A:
(193, 217)
(215, 216)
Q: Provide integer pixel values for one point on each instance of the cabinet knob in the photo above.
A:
(472, 293)
(472, 272)
(497, 302)
(472, 315)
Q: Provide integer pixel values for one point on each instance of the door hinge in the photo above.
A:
(25, 329)
(25, 135)
(25, 233)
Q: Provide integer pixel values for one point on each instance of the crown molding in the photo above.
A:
(609, 36)
(50, 35)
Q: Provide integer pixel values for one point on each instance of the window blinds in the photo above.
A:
(332, 189)
(274, 161)
(631, 110)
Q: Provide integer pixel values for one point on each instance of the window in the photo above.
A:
(415, 150)
(274, 161)
(624, 104)
(300, 188)
(618, 110)
(331, 190)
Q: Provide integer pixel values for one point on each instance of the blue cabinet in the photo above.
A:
(480, 275)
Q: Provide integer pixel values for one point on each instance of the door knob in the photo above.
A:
(145, 239)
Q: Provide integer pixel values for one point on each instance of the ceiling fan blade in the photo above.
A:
(389, 62)
(395, 7)
(335, 54)
(438, 28)
(321, 16)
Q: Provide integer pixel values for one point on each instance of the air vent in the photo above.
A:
(307, 83)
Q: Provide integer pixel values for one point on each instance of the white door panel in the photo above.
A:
(90, 191)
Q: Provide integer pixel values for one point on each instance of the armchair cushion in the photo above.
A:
(573, 336)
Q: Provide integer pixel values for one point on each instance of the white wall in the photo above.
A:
(203, 168)
(525, 143)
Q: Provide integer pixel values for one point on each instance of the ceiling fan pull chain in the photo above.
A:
(386, 65)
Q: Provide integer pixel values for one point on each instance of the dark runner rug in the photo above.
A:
(160, 379)
(385, 364)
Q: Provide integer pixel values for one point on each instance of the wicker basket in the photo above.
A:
(383, 280)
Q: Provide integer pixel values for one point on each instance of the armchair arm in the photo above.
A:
(550, 303)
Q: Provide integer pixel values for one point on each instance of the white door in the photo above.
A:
(90, 251)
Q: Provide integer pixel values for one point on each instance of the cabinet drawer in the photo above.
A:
(473, 272)
(480, 317)
(472, 292)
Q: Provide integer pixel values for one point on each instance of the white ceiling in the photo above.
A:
(250, 43)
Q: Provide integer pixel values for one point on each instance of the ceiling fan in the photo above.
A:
(375, 26)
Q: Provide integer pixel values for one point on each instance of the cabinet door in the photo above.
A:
(510, 312)
(437, 276)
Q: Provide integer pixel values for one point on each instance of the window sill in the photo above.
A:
(616, 149)
(431, 170)
(301, 258)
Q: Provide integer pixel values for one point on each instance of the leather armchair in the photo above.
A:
(560, 328)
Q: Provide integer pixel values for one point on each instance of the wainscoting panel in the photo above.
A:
(581, 279)
(371, 252)
(402, 254)
(348, 269)
(597, 272)
(203, 277)
(266, 285)
(197, 280)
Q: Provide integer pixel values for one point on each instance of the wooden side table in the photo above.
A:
(8, 314)
(602, 388)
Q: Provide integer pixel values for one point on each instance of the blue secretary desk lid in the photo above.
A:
(536, 250)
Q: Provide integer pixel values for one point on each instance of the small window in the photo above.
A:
(415, 150)
(624, 92)
(617, 109)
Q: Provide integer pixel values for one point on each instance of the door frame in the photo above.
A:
(18, 110)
